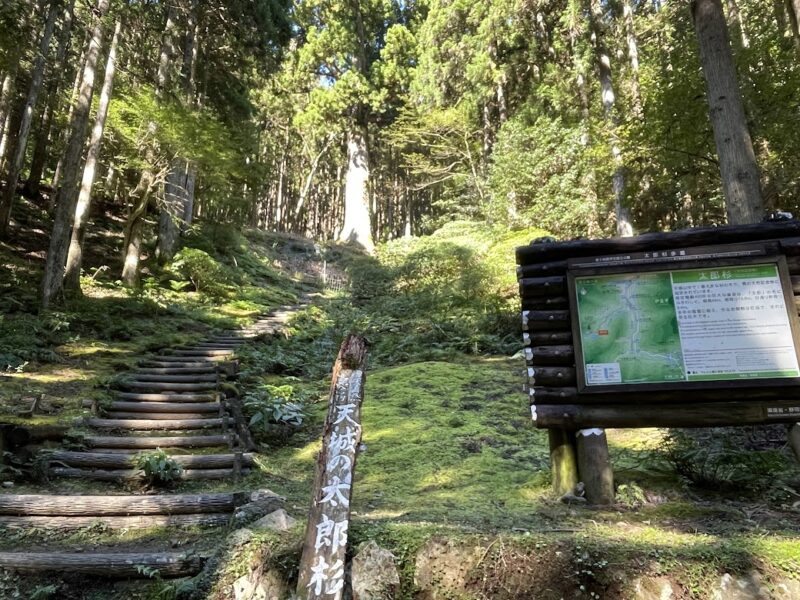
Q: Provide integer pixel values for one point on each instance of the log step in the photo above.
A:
(160, 416)
(173, 377)
(125, 461)
(136, 522)
(154, 386)
(188, 441)
(167, 397)
(195, 352)
(194, 360)
(122, 505)
(161, 407)
(152, 424)
(202, 369)
(136, 474)
(117, 565)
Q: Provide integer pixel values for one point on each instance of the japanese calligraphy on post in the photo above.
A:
(710, 324)
(322, 566)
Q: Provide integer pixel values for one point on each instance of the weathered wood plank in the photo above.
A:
(134, 522)
(167, 397)
(186, 441)
(321, 571)
(162, 407)
(125, 461)
(695, 414)
(110, 505)
(135, 474)
(550, 355)
(154, 386)
(148, 424)
(545, 320)
(699, 236)
(106, 565)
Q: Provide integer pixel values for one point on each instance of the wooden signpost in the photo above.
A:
(687, 329)
(322, 565)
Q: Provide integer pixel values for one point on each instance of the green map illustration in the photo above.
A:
(630, 320)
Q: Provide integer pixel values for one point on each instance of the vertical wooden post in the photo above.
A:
(794, 439)
(563, 462)
(322, 565)
(594, 466)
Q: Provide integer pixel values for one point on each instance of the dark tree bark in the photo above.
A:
(68, 193)
(737, 161)
(43, 138)
(72, 274)
(18, 159)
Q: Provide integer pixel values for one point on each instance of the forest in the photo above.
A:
(377, 120)
(199, 200)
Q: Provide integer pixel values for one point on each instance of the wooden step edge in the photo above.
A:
(145, 406)
(112, 460)
(154, 424)
(159, 416)
(129, 522)
(62, 505)
(167, 397)
(113, 565)
(137, 475)
(149, 442)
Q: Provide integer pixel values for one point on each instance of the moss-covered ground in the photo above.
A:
(450, 454)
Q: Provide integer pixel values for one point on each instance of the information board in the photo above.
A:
(661, 327)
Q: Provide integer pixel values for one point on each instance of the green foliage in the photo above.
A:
(276, 405)
(429, 298)
(206, 274)
(158, 467)
(721, 462)
(43, 592)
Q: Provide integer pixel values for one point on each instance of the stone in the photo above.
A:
(373, 574)
(261, 503)
(277, 520)
(653, 588)
(442, 569)
(240, 537)
(740, 587)
(787, 589)
(260, 586)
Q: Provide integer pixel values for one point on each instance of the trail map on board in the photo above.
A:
(685, 325)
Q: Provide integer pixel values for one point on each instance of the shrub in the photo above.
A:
(205, 273)
(275, 405)
(158, 467)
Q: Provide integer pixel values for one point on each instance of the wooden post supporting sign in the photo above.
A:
(322, 565)
(563, 463)
(594, 466)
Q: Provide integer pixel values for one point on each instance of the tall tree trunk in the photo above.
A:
(43, 138)
(624, 226)
(76, 88)
(793, 12)
(135, 226)
(72, 275)
(357, 227)
(633, 55)
(736, 23)
(67, 195)
(6, 95)
(176, 192)
(740, 177)
(17, 161)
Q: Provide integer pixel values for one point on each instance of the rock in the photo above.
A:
(653, 588)
(240, 537)
(261, 503)
(442, 569)
(8, 484)
(278, 520)
(374, 575)
(740, 587)
(787, 589)
(260, 586)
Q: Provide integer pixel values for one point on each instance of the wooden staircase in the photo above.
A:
(174, 401)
